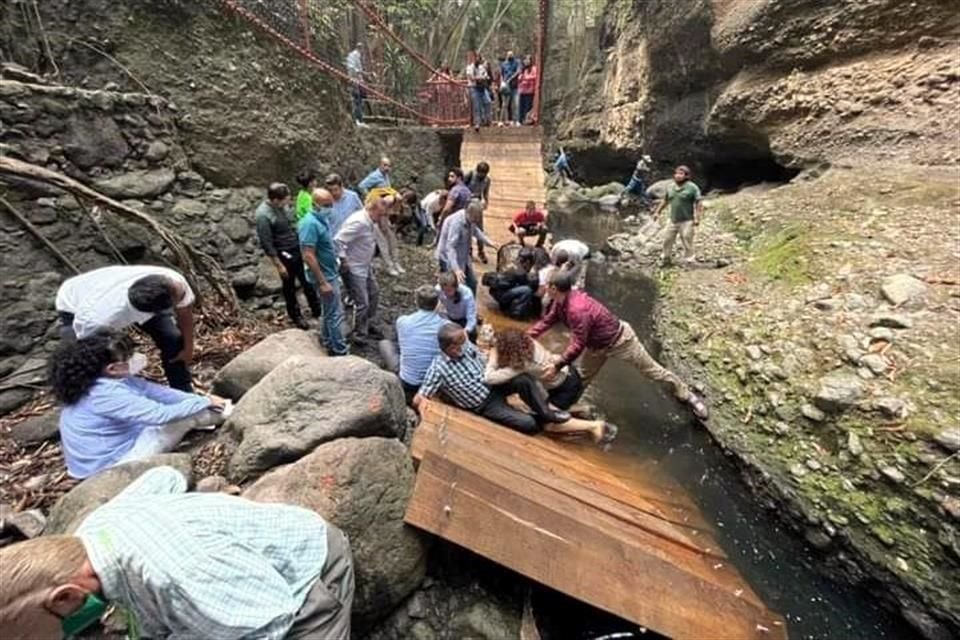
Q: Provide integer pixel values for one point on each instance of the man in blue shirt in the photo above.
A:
(345, 201)
(417, 335)
(379, 177)
(320, 257)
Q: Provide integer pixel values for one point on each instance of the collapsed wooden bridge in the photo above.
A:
(587, 524)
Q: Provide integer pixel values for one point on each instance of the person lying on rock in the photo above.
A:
(530, 221)
(514, 353)
(597, 334)
(110, 415)
(458, 374)
(514, 289)
(182, 565)
(150, 297)
(457, 303)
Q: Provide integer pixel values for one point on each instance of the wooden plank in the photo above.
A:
(540, 539)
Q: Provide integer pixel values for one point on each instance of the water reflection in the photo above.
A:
(660, 442)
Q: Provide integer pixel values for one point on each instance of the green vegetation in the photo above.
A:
(784, 256)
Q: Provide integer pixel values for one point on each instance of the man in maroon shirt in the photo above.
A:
(597, 334)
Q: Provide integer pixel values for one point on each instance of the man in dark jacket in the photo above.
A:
(279, 240)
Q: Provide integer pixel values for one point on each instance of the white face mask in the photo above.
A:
(136, 363)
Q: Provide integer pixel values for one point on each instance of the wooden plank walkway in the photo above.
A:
(600, 527)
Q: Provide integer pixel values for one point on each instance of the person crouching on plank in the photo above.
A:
(110, 415)
(514, 353)
(597, 334)
(182, 565)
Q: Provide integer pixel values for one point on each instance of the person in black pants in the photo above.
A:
(279, 240)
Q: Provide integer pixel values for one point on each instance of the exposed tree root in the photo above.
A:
(194, 263)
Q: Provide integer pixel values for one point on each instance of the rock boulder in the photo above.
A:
(137, 184)
(96, 141)
(901, 288)
(305, 402)
(37, 429)
(361, 485)
(838, 392)
(249, 368)
(72, 508)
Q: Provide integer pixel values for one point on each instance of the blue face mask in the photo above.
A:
(88, 614)
(323, 212)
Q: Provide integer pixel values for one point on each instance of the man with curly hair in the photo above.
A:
(156, 299)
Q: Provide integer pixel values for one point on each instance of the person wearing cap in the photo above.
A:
(686, 210)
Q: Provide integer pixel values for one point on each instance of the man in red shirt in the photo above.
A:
(597, 334)
(530, 222)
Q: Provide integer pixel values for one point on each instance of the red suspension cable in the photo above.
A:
(330, 69)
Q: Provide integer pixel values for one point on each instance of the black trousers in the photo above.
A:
(567, 394)
(496, 409)
(409, 390)
(293, 263)
(163, 329)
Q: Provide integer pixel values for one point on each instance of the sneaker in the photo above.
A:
(363, 125)
(401, 269)
(393, 271)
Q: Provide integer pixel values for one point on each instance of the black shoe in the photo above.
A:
(301, 324)
(558, 417)
(375, 333)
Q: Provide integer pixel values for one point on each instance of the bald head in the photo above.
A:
(322, 198)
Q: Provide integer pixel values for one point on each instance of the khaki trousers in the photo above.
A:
(629, 349)
(325, 614)
(686, 231)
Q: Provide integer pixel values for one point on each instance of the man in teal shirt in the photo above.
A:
(686, 209)
(320, 258)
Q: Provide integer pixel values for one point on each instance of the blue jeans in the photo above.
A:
(636, 186)
(481, 105)
(357, 95)
(332, 335)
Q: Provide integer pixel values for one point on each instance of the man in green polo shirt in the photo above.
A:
(686, 209)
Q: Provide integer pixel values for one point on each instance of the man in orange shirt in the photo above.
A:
(530, 222)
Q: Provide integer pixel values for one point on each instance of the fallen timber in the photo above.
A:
(564, 514)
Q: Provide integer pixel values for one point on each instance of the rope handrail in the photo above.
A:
(329, 68)
(374, 17)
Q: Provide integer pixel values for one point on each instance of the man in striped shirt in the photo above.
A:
(183, 565)
(458, 374)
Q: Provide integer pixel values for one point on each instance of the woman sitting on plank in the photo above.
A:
(111, 416)
(513, 353)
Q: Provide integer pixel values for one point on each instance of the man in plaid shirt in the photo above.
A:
(458, 373)
(183, 565)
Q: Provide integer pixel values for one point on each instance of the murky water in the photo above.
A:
(658, 439)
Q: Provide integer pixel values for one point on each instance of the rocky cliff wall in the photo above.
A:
(723, 84)
(130, 146)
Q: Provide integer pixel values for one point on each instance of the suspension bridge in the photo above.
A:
(598, 527)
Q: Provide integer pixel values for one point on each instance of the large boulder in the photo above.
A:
(305, 402)
(137, 184)
(97, 490)
(361, 485)
(249, 368)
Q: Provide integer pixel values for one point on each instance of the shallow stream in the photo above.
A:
(658, 439)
